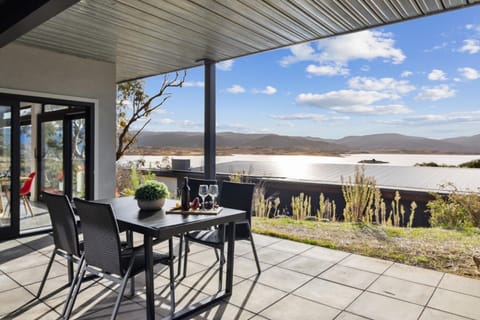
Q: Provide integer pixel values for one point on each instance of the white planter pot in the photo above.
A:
(151, 205)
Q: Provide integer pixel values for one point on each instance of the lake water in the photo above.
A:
(299, 160)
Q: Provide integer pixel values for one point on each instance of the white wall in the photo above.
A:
(31, 71)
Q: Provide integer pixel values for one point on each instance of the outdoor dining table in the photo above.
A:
(159, 225)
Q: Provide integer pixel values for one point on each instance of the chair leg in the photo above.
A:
(172, 283)
(222, 262)
(216, 254)
(122, 289)
(180, 249)
(254, 250)
(74, 288)
(29, 205)
(50, 262)
(185, 258)
(132, 286)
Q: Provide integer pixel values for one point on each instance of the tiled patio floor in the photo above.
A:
(298, 282)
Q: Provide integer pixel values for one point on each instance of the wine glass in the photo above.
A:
(203, 192)
(213, 192)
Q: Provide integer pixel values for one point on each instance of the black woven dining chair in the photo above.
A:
(236, 196)
(65, 233)
(65, 237)
(104, 256)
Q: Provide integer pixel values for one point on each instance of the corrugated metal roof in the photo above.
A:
(395, 177)
(149, 37)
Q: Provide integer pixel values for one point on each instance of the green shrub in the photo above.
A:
(151, 190)
(359, 195)
(446, 213)
(475, 164)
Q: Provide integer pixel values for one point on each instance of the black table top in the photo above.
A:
(161, 225)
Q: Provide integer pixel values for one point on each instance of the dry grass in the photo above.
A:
(443, 250)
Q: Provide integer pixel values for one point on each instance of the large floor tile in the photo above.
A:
(415, 274)
(366, 263)
(254, 296)
(349, 276)
(326, 254)
(306, 265)
(293, 307)
(6, 283)
(283, 279)
(402, 289)
(461, 284)
(379, 307)
(270, 256)
(431, 314)
(349, 316)
(35, 274)
(328, 293)
(290, 246)
(262, 241)
(37, 310)
(225, 311)
(14, 302)
(207, 281)
(246, 268)
(102, 310)
(456, 303)
(24, 260)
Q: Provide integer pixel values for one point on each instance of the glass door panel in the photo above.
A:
(78, 158)
(5, 166)
(51, 164)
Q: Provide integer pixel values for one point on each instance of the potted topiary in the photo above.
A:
(151, 195)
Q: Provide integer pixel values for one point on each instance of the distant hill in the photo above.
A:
(387, 142)
(472, 142)
(398, 142)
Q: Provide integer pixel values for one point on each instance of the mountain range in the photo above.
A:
(387, 142)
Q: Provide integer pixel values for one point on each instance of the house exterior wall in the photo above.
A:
(37, 72)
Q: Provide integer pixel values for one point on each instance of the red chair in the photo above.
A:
(25, 192)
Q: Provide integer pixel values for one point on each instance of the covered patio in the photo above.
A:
(79, 50)
(298, 281)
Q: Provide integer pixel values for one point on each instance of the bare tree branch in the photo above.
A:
(135, 105)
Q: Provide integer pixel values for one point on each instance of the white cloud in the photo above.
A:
(437, 75)
(199, 84)
(327, 70)
(236, 88)
(365, 68)
(164, 121)
(389, 85)
(406, 74)
(226, 65)
(300, 52)
(471, 46)
(334, 54)
(308, 116)
(352, 101)
(436, 119)
(268, 90)
(469, 73)
(366, 45)
(442, 91)
(437, 47)
(469, 26)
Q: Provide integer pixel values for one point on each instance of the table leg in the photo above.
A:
(148, 247)
(230, 257)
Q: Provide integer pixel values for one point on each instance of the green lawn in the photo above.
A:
(433, 248)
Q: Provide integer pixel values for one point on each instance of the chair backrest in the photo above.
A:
(195, 183)
(27, 185)
(65, 232)
(238, 196)
(100, 236)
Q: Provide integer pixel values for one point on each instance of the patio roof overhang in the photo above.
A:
(151, 37)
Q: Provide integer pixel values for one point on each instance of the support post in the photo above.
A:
(209, 140)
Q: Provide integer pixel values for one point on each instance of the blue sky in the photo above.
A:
(419, 77)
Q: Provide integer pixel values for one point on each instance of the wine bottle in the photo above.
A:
(185, 195)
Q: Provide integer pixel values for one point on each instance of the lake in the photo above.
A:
(299, 160)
